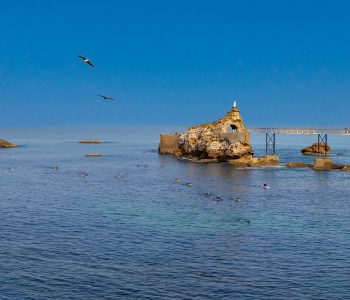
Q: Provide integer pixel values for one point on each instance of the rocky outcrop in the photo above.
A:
(6, 144)
(222, 140)
(296, 164)
(320, 164)
(90, 142)
(314, 150)
(264, 161)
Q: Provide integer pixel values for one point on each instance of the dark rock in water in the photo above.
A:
(345, 168)
(6, 144)
(338, 167)
(314, 150)
(90, 142)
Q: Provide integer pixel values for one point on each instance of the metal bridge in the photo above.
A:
(342, 131)
(322, 136)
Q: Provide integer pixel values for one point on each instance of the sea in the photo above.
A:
(119, 226)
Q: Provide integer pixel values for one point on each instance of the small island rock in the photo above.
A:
(6, 144)
(90, 142)
(296, 164)
(313, 149)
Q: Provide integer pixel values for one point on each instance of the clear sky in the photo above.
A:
(174, 62)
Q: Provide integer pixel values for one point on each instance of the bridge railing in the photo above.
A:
(343, 131)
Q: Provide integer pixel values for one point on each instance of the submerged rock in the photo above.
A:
(296, 164)
(90, 142)
(6, 144)
(345, 168)
(264, 161)
(314, 150)
(222, 140)
(93, 154)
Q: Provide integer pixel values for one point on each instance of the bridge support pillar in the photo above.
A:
(323, 163)
(270, 144)
(322, 143)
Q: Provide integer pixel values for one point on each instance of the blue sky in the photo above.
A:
(174, 62)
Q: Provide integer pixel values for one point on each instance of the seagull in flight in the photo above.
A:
(86, 60)
(105, 97)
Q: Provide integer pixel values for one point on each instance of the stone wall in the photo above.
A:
(169, 143)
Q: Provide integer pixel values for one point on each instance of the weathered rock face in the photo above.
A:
(313, 150)
(6, 144)
(224, 139)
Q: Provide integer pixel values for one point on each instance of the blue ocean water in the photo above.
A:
(129, 231)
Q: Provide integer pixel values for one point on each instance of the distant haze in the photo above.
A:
(174, 62)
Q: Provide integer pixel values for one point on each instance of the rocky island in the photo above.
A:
(6, 144)
(226, 139)
(314, 149)
(90, 142)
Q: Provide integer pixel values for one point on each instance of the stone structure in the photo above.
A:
(169, 143)
(323, 163)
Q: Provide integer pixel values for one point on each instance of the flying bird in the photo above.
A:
(86, 60)
(105, 97)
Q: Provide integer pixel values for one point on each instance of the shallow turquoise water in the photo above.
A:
(144, 236)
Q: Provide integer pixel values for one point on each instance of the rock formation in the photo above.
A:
(264, 161)
(6, 144)
(222, 140)
(320, 164)
(314, 150)
(93, 154)
(90, 142)
(296, 164)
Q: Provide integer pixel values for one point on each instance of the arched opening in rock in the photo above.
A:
(232, 128)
